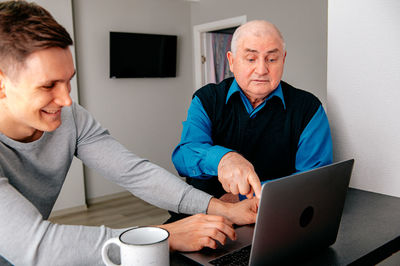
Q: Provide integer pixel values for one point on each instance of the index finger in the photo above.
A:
(250, 194)
(255, 183)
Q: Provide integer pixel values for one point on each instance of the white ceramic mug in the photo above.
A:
(139, 246)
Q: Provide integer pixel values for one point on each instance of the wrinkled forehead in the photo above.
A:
(268, 40)
(262, 31)
(259, 27)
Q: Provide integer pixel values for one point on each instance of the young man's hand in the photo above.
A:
(204, 230)
(240, 213)
(229, 197)
(198, 231)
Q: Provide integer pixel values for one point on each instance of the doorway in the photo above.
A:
(211, 42)
(215, 45)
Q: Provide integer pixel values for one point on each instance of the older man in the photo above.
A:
(42, 129)
(254, 126)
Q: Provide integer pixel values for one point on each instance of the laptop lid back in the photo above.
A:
(300, 213)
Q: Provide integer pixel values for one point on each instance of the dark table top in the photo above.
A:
(369, 232)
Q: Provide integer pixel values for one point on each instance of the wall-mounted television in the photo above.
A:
(138, 55)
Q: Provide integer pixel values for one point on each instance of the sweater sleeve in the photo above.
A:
(98, 150)
(27, 239)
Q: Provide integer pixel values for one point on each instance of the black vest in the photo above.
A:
(269, 140)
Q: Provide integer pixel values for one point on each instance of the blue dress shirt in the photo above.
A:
(196, 156)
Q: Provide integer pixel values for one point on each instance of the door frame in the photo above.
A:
(206, 27)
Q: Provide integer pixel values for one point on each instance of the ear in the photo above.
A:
(284, 57)
(2, 85)
(230, 57)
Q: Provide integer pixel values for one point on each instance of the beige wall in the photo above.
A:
(143, 114)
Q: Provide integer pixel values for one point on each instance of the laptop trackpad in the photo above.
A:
(244, 236)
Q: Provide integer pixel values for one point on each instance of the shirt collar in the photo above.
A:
(235, 88)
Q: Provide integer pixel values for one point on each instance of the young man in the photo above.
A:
(41, 129)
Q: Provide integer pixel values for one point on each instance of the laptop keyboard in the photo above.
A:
(237, 258)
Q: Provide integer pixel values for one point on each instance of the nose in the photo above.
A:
(62, 95)
(262, 67)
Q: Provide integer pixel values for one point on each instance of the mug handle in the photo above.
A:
(104, 251)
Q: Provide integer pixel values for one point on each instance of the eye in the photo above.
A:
(271, 60)
(49, 86)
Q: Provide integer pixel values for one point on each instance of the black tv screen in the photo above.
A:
(138, 55)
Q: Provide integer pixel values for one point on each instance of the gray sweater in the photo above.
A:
(32, 174)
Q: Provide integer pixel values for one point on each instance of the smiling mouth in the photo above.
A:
(52, 112)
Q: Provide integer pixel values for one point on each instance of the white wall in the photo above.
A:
(143, 114)
(363, 90)
(302, 23)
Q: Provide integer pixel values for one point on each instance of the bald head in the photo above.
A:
(257, 59)
(259, 28)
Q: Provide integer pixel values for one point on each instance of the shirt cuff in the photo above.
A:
(214, 155)
(194, 201)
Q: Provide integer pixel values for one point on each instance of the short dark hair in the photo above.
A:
(24, 29)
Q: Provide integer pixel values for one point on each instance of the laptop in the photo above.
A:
(297, 215)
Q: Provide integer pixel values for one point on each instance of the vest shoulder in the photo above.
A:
(213, 90)
(213, 96)
(294, 96)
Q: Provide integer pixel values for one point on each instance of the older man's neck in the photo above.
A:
(255, 100)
